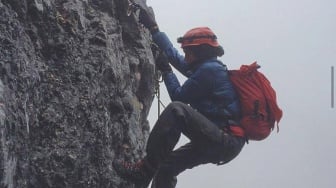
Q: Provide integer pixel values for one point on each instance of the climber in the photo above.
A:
(204, 109)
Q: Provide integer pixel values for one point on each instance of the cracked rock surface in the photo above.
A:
(76, 86)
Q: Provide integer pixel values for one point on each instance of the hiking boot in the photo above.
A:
(139, 173)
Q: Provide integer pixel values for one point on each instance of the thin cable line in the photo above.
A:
(332, 87)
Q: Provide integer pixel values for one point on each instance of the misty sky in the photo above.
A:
(295, 43)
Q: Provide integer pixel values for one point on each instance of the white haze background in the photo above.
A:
(294, 41)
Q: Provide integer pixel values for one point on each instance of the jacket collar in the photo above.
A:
(196, 64)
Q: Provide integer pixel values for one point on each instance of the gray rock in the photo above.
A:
(76, 85)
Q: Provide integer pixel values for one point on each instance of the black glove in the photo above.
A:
(148, 20)
(162, 63)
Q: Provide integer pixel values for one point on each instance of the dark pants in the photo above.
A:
(208, 144)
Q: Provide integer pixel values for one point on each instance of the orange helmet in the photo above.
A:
(198, 36)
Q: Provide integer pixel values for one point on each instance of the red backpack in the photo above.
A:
(259, 107)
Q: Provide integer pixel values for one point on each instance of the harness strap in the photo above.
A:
(192, 38)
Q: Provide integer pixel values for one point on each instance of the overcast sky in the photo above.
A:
(295, 43)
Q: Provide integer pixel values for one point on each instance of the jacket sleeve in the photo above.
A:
(194, 88)
(175, 58)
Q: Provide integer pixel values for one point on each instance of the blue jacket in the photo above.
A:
(208, 88)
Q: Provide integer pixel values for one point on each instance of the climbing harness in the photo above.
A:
(132, 7)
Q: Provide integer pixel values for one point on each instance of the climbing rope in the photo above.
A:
(158, 80)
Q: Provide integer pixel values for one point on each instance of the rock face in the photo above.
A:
(76, 85)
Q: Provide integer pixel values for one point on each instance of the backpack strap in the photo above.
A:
(237, 130)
